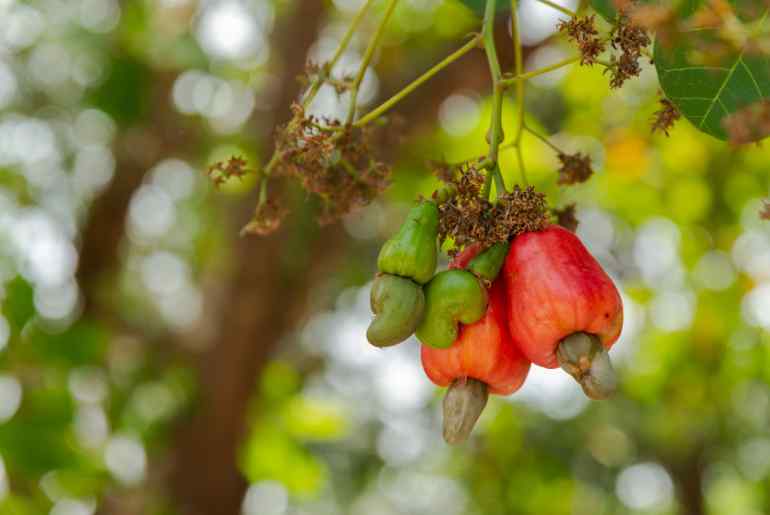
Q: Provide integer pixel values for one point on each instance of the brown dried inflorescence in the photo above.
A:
(565, 217)
(332, 161)
(748, 125)
(582, 30)
(665, 117)
(575, 168)
(466, 217)
(631, 39)
(221, 171)
(266, 219)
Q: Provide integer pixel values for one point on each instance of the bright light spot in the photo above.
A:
(182, 308)
(10, 396)
(346, 340)
(756, 306)
(552, 392)
(99, 16)
(751, 253)
(596, 230)
(538, 21)
(21, 27)
(349, 6)
(57, 302)
(545, 56)
(5, 332)
(328, 104)
(183, 91)
(45, 256)
(412, 492)
(73, 507)
(229, 30)
(125, 458)
(266, 498)
(656, 253)
(672, 310)
(91, 426)
(164, 273)
(93, 169)
(633, 323)
(34, 141)
(8, 85)
(754, 458)
(94, 127)
(88, 385)
(175, 177)
(402, 441)
(49, 64)
(400, 381)
(644, 486)
(151, 213)
(714, 271)
(459, 114)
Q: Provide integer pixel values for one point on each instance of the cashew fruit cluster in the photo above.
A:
(539, 299)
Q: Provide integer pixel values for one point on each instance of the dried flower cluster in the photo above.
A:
(566, 217)
(466, 217)
(332, 161)
(631, 39)
(665, 117)
(582, 31)
(221, 171)
(575, 168)
(748, 125)
(266, 219)
(315, 71)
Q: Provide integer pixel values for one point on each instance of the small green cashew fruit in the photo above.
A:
(486, 266)
(398, 305)
(452, 296)
(412, 252)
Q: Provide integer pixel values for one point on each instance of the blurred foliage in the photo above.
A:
(92, 397)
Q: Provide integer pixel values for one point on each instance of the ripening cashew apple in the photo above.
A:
(563, 309)
(406, 261)
(483, 360)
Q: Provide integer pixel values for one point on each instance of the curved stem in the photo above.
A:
(329, 65)
(419, 81)
(519, 70)
(511, 81)
(559, 8)
(543, 139)
(368, 54)
(495, 135)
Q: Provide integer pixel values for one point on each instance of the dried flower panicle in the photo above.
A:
(748, 125)
(332, 161)
(466, 217)
(665, 117)
(575, 168)
(631, 39)
(221, 171)
(582, 30)
(566, 217)
(764, 214)
(266, 219)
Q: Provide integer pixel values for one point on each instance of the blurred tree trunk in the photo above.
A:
(259, 303)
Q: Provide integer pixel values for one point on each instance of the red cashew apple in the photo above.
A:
(563, 309)
(482, 360)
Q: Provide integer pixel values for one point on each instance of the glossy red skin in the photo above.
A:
(483, 350)
(556, 288)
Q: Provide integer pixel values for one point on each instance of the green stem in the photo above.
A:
(543, 139)
(519, 69)
(419, 81)
(327, 67)
(511, 81)
(558, 7)
(368, 54)
(495, 135)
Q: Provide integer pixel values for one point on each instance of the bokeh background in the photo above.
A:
(153, 362)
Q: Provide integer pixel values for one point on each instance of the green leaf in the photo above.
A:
(707, 87)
